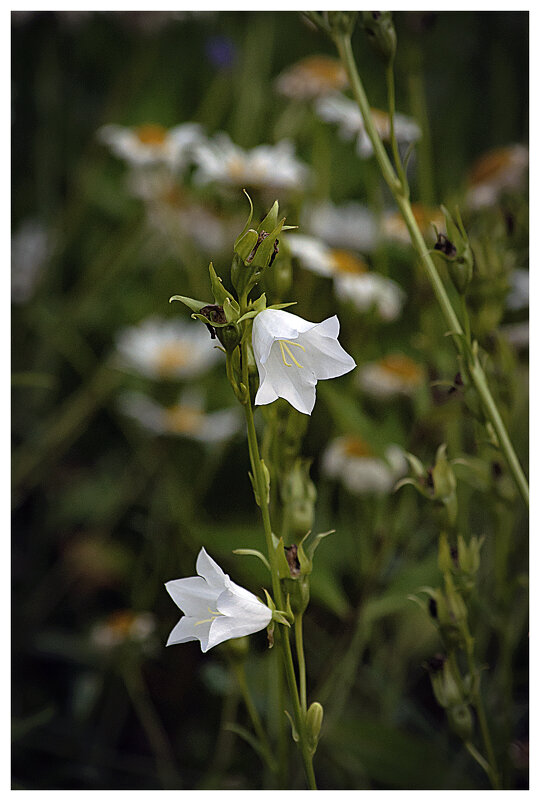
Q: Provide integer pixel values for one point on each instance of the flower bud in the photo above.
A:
(456, 250)
(460, 720)
(342, 21)
(445, 687)
(314, 719)
(299, 495)
(381, 33)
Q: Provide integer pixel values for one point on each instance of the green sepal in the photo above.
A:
(266, 248)
(191, 303)
(295, 735)
(270, 221)
(253, 484)
(305, 553)
(284, 571)
(248, 223)
(246, 244)
(219, 291)
(253, 552)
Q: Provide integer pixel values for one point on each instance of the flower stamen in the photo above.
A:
(209, 619)
(285, 349)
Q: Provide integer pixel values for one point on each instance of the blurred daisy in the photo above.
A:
(123, 626)
(393, 225)
(220, 160)
(349, 225)
(518, 298)
(517, 334)
(351, 460)
(395, 374)
(187, 418)
(30, 250)
(172, 213)
(353, 282)
(345, 113)
(151, 144)
(311, 77)
(499, 170)
(172, 349)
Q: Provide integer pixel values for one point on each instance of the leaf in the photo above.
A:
(253, 552)
(248, 223)
(194, 305)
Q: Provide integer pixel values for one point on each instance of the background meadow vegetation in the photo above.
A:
(107, 508)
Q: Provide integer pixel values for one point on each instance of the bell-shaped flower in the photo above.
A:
(292, 354)
(215, 608)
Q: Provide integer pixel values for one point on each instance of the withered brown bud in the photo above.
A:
(436, 663)
(291, 554)
(445, 246)
(214, 314)
(432, 607)
(262, 236)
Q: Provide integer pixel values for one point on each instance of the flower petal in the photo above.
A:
(193, 595)
(189, 629)
(211, 571)
(295, 384)
(272, 324)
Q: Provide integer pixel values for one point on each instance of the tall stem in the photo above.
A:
(478, 377)
(282, 637)
(299, 641)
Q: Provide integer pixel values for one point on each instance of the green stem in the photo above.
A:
(478, 704)
(390, 82)
(299, 641)
(282, 637)
(343, 44)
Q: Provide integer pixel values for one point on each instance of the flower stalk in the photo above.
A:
(282, 638)
(399, 190)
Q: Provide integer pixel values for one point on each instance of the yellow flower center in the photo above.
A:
(357, 448)
(327, 71)
(345, 262)
(171, 357)
(490, 165)
(402, 367)
(121, 622)
(284, 345)
(151, 134)
(183, 419)
(424, 216)
(381, 120)
(236, 169)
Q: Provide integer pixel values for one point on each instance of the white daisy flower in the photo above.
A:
(215, 608)
(151, 144)
(499, 170)
(187, 418)
(395, 374)
(166, 349)
(353, 282)
(268, 166)
(349, 225)
(30, 249)
(350, 460)
(345, 113)
(311, 77)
